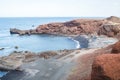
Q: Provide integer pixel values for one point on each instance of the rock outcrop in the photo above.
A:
(106, 67)
(75, 27)
(116, 48)
(109, 29)
(109, 26)
(113, 19)
(15, 60)
(22, 32)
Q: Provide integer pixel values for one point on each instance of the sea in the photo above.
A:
(34, 43)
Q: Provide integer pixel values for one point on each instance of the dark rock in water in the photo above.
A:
(16, 31)
(2, 48)
(21, 32)
(16, 47)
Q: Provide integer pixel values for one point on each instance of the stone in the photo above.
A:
(106, 67)
(116, 48)
(2, 48)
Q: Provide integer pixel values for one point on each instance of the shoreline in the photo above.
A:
(76, 41)
(63, 58)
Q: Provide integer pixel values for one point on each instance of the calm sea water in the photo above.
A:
(34, 43)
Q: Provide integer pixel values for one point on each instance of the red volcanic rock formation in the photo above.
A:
(75, 27)
(116, 48)
(109, 26)
(106, 67)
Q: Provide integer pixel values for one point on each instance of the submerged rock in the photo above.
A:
(2, 48)
(16, 47)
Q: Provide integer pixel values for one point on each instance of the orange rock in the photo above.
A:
(116, 47)
(106, 67)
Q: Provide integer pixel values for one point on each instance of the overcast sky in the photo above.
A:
(59, 8)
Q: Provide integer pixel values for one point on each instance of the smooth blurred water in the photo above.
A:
(35, 43)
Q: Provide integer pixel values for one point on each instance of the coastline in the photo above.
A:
(76, 41)
(85, 45)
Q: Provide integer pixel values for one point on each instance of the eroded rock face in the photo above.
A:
(106, 67)
(75, 27)
(109, 29)
(116, 48)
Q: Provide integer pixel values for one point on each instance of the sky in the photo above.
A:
(59, 8)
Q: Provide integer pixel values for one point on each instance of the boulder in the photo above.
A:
(116, 48)
(106, 67)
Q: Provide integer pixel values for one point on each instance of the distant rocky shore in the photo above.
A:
(108, 26)
(92, 64)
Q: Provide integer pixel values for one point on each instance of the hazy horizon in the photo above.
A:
(59, 8)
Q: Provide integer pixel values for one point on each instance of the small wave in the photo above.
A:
(31, 72)
(3, 73)
(77, 42)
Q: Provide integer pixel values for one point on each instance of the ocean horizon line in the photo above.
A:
(57, 17)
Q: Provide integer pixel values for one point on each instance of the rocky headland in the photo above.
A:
(87, 64)
(108, 26)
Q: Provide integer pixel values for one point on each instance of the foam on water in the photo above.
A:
(76, 41)
(3, 73)
(31, 72)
